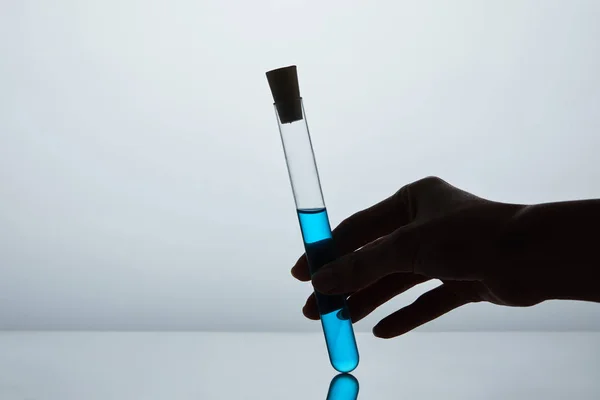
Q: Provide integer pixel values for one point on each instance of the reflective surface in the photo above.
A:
(207, 366)
(343, 387)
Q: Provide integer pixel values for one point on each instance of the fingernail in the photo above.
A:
(323, 280)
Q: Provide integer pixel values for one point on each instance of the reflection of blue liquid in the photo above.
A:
(343, 387)
(337, 326)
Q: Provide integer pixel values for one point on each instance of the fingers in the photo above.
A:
(362, 228)
(357, 270)
(365, 301)
(427, 307)
(310, 309)
(368, 225)
(300, 270)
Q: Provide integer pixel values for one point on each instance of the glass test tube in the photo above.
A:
(312, 214)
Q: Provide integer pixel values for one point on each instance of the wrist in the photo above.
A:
(549, 246)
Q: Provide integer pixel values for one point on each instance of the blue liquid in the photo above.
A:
(315, 225)
(343, 387)
(335, 318)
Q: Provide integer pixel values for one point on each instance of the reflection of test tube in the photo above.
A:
(312, 215)
(343, 387)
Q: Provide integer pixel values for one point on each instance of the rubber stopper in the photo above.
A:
(286, 93)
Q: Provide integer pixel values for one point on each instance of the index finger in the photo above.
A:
(362, 228)
(394, 253)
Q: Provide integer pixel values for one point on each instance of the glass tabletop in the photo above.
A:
(207, 366)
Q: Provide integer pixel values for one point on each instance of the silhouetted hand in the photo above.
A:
(481, 250)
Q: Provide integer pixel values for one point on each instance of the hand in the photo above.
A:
(427, 230)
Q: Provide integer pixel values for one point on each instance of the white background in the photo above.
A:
(142, 180)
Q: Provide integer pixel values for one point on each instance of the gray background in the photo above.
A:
(142, 180)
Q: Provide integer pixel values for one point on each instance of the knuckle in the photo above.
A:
(408, 196)
(428, 182)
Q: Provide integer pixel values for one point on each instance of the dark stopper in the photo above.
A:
(286, 93)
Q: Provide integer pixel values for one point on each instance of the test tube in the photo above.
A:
(312, 214)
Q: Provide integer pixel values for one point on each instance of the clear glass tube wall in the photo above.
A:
(301, 164)
(316, 232)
